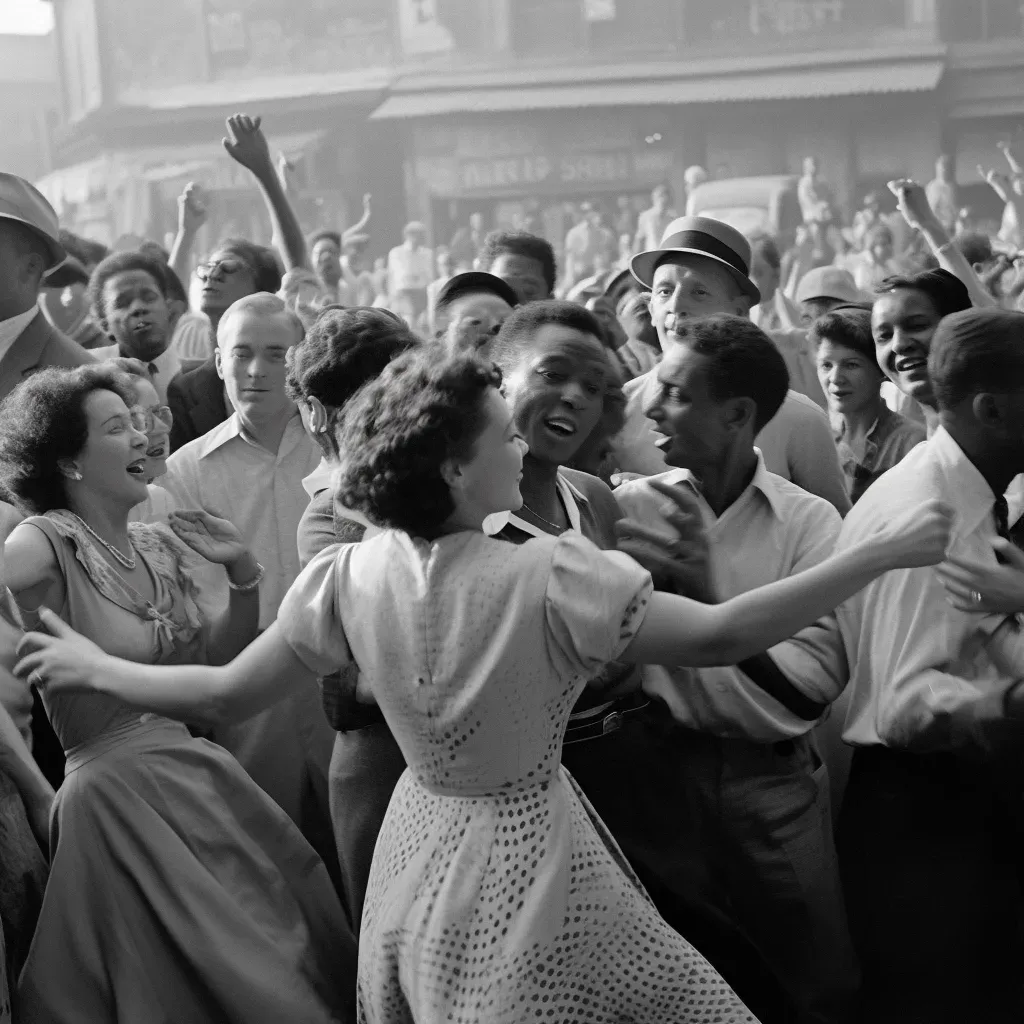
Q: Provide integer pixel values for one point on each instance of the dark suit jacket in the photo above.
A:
(196, 400)
(38, 346)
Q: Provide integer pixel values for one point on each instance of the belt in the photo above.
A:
(600, 721)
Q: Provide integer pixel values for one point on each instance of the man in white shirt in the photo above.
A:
(250, 469)
(410, 270)
(703, 267)
(128, 296)
(932, 822)
(757, 793)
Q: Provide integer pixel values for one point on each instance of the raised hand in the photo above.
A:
(59, 660)
(366, 202)
(192, 212)
(973, 587)
(682, 563)
(919, 537)
(997, 181)
(913, 202)
(216, 540)
(247, 144)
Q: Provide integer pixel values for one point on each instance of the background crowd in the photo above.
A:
(825, 801)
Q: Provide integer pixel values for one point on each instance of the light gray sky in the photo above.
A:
(30, 17)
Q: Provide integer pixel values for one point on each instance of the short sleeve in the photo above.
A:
(594, 603)
(310, 614)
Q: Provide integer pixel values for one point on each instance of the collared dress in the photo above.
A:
(178, 890)
(889, 440)
(496, 893)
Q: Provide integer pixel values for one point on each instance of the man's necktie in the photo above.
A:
(1001, 514)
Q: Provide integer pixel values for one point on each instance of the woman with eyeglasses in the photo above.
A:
(178, 890)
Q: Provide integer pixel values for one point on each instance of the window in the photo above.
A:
(547, 26)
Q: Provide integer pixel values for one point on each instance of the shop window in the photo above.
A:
(547, 26)
(982, 20)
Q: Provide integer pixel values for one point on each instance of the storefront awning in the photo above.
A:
(802, 83)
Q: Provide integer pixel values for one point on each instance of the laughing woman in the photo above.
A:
(178, 891)
(494, 894)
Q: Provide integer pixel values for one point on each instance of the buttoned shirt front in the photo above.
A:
(410, 269)
(163, 368)
(921, 675)
(773, 530)
(229, 474)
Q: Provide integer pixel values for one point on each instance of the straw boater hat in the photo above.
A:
(701, 236)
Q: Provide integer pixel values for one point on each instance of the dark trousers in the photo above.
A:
(930, 848)
(733, 841)
(365, 768)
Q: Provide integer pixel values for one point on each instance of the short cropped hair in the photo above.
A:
(260, 304)
(849, 326)
(262, 260)
(43, 421)
(520, 243)
(948, 294)
(742, 362)
(520, 328)
(976, 247)
(343, 350)
(977, 351)
(401, 428)
(326, 235)
(120, 263)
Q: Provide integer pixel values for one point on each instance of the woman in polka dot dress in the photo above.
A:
(496, 894)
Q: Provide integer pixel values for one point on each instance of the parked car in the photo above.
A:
(759, 205)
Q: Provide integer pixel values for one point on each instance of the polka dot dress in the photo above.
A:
(496, 893)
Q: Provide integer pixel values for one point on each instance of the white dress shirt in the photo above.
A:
(773, 530)
(921, 676)
(165, 366)
(261, 492)
(410, 269)
(12, 328)
(193, 337)
(797, 444)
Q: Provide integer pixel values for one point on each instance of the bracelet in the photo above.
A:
(245, 588)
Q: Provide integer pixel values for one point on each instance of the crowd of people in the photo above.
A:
(464, 640)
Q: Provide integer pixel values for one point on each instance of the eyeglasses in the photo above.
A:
(146, 420)
(228, 266)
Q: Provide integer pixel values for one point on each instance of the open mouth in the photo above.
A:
(137, 468)
(911, 365)
(157, 452)
(560, 426)
(663, 440)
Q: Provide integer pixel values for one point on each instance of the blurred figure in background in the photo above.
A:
(410, 271)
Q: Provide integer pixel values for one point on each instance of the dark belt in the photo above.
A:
(602, 720)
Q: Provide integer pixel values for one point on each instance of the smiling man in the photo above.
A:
(703, 267)
(128, 296)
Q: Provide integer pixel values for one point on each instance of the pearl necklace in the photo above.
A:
(128, 562)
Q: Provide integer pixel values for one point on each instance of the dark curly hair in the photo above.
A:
(342, 350)
(119, 263)
(43, 421)
(520, 243)
(262, 259)
(399, 430)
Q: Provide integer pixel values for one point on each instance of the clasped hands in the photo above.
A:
(680, 564)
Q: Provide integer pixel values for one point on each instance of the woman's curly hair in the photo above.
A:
(344, 349)
(398, 431)
(43, 421)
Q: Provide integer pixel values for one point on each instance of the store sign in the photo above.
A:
(598, 10)
(420, 28)
(787, 17)
(572, 171)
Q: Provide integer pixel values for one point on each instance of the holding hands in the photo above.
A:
(681, 564)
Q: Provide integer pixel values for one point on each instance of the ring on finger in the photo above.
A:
(976, 597)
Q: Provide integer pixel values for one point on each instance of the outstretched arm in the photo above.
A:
(247, 144)
(191, 217)
(676, 631)
(360, 225)
(266, 672)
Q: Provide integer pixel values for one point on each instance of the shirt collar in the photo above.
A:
(763, 482)
(571, 497)
(320, 479)
(12, 328)
(232, 428)
(962, 480)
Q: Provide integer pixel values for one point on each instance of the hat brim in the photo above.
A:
(642, 266)
(474, 282)
(58, 254)
(66, 274)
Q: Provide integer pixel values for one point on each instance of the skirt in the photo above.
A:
(180, 892)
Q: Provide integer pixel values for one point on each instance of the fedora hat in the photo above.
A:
(828, 283)
(24, 203)
(474, 282)
(701, 236)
